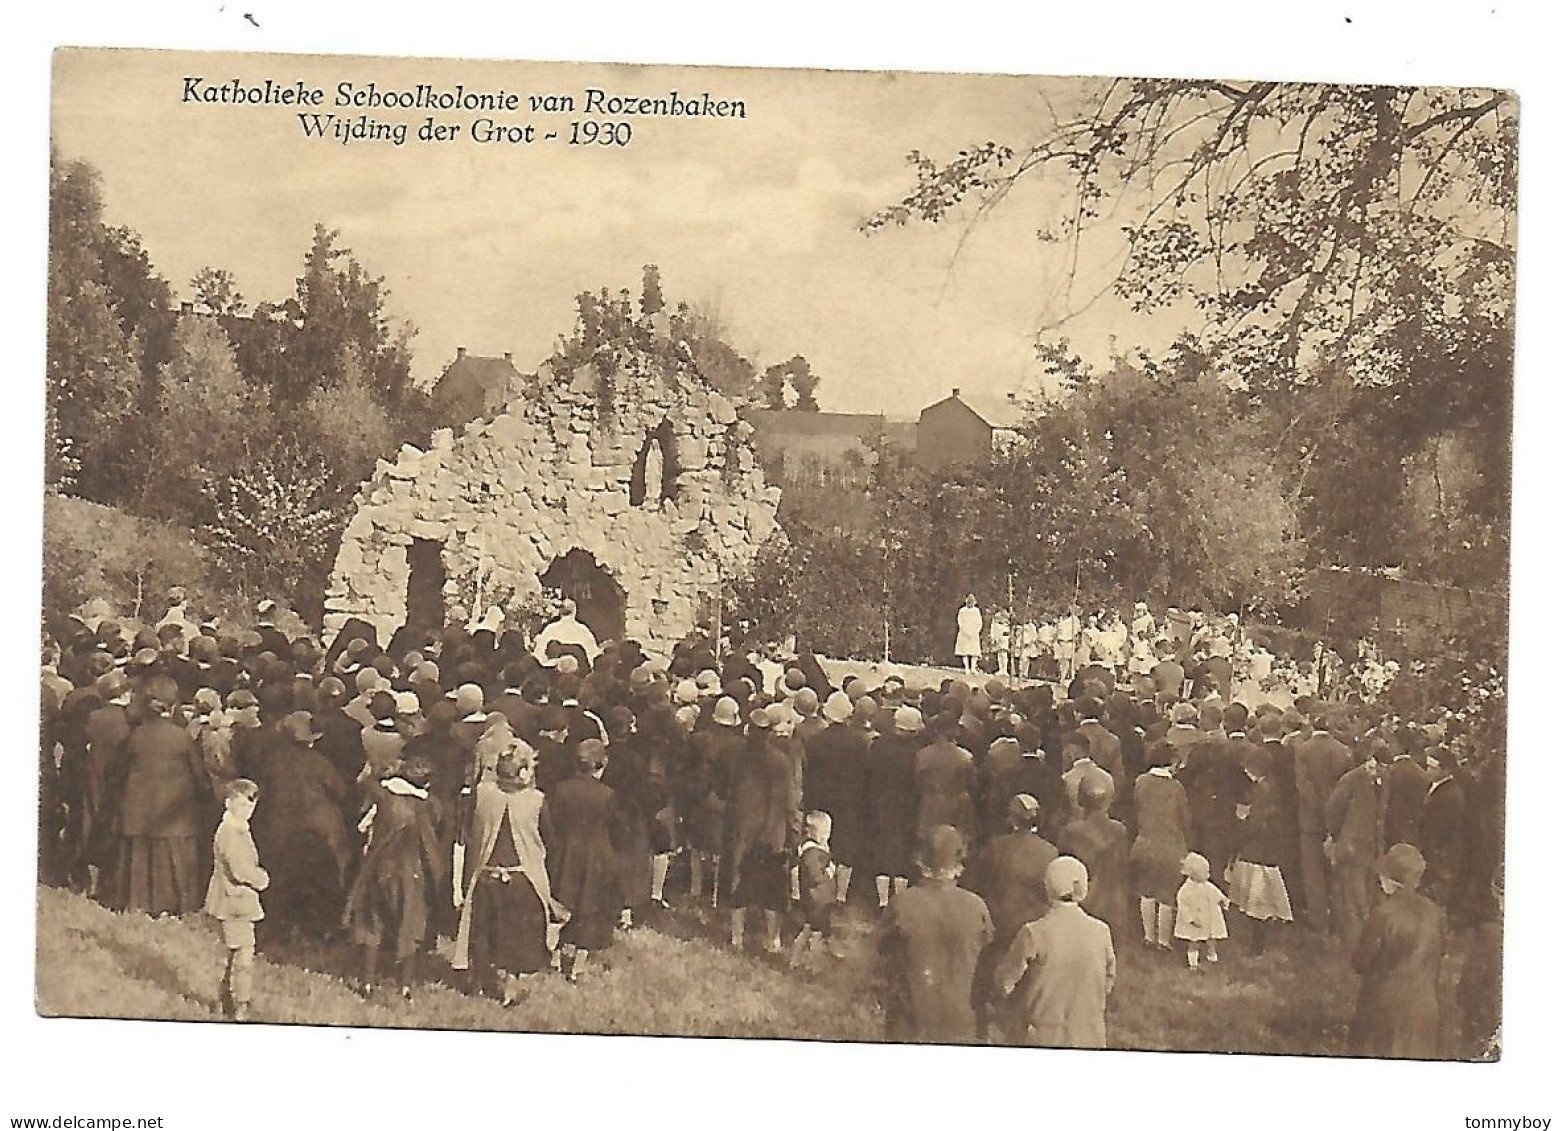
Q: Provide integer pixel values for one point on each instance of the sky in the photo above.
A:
(485, 245)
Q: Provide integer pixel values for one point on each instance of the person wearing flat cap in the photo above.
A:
(701, 795)
(1399, 958)
(300, 831)
(580, 820)
(162, 812)
(1354, 816)
(1053, 982)
(929, 942)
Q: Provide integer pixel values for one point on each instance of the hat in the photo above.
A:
(838, 708)
(469, 698)
(299, 726)
(908, 720)
(266, 606)
(1403, 864)
(794, 679)
(1095, 792)
(806, 701)
(427, 671)
(241, 699)
(941, 851)
(113, 685)
(206, 700)
(1195, 867)
(366, 680)
(866, 709)
(1185, 714)
(407, 703)
(145, 658)
(1066, 878)
(996, 689)
(642, 677)
(332, 688)
(1024, 810)
(708, 681)
(761, 719)
(726, 712)
(566, 665)
(591, 755)
(686, 692)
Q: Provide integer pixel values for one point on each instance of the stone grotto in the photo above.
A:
(635, 491)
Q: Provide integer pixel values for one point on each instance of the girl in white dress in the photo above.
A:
(968, 635)
(1201, 918)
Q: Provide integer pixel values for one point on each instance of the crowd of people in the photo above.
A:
(526, 800)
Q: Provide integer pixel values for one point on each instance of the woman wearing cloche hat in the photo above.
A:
(1399, 958)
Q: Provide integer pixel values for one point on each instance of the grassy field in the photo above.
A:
(674, 979)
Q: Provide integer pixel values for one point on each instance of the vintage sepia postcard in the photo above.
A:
(848, 556)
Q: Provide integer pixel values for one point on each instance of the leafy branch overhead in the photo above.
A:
(1289, 218)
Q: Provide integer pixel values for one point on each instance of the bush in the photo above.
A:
(90, 550)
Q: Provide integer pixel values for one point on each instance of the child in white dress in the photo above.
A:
(1201, 919)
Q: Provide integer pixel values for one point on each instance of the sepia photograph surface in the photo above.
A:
(845, 556)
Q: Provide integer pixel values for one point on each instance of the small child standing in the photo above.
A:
(233, 896)
(816, 886)
(1201, 908)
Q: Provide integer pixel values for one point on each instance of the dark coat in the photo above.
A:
(946, 786)
(165, 784)
(1100, 843)
(1035, 775)
(1262, 838)
(1008, 874)
(892, 804)
(704, 783)
(1442, 838)
(1355, 817)
(1399, 959)
(299, 826)
(761, 801)
(578, 825)
(835, 779)
(402, 873)
(1406, 783)
(1165, 828)
(1321, 760)
(929, 942)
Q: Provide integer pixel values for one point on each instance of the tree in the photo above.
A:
(651, 301)
(208, 422)
(94, 383)
(216, 291)
(340, 303)
(1309, 229)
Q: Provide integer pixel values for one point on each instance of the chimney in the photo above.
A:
(1013, 397)
(187, 308)
(460, 352)
(508, 356)
(955, 391)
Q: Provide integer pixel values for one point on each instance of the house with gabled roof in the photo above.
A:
(474, 387)
(964, 429)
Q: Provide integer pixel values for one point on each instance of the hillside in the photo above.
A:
(94, 962)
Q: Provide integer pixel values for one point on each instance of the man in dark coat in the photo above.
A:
(930, 941)
(1406, 784)
(1442, 833)
(1100, 843)
(1321, 760)
(162, 813)
(946, 781)
(835, 780)
(1354, 816)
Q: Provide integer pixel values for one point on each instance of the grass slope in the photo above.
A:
(673, 980)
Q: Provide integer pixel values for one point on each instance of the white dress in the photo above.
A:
(968, 638)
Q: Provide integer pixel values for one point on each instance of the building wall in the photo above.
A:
(950, 433)
(1414, 614)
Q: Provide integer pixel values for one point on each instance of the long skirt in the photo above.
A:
(1258, 891)
(159, 874)
(509, 926)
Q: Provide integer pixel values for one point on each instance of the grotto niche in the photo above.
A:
(639, 491)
